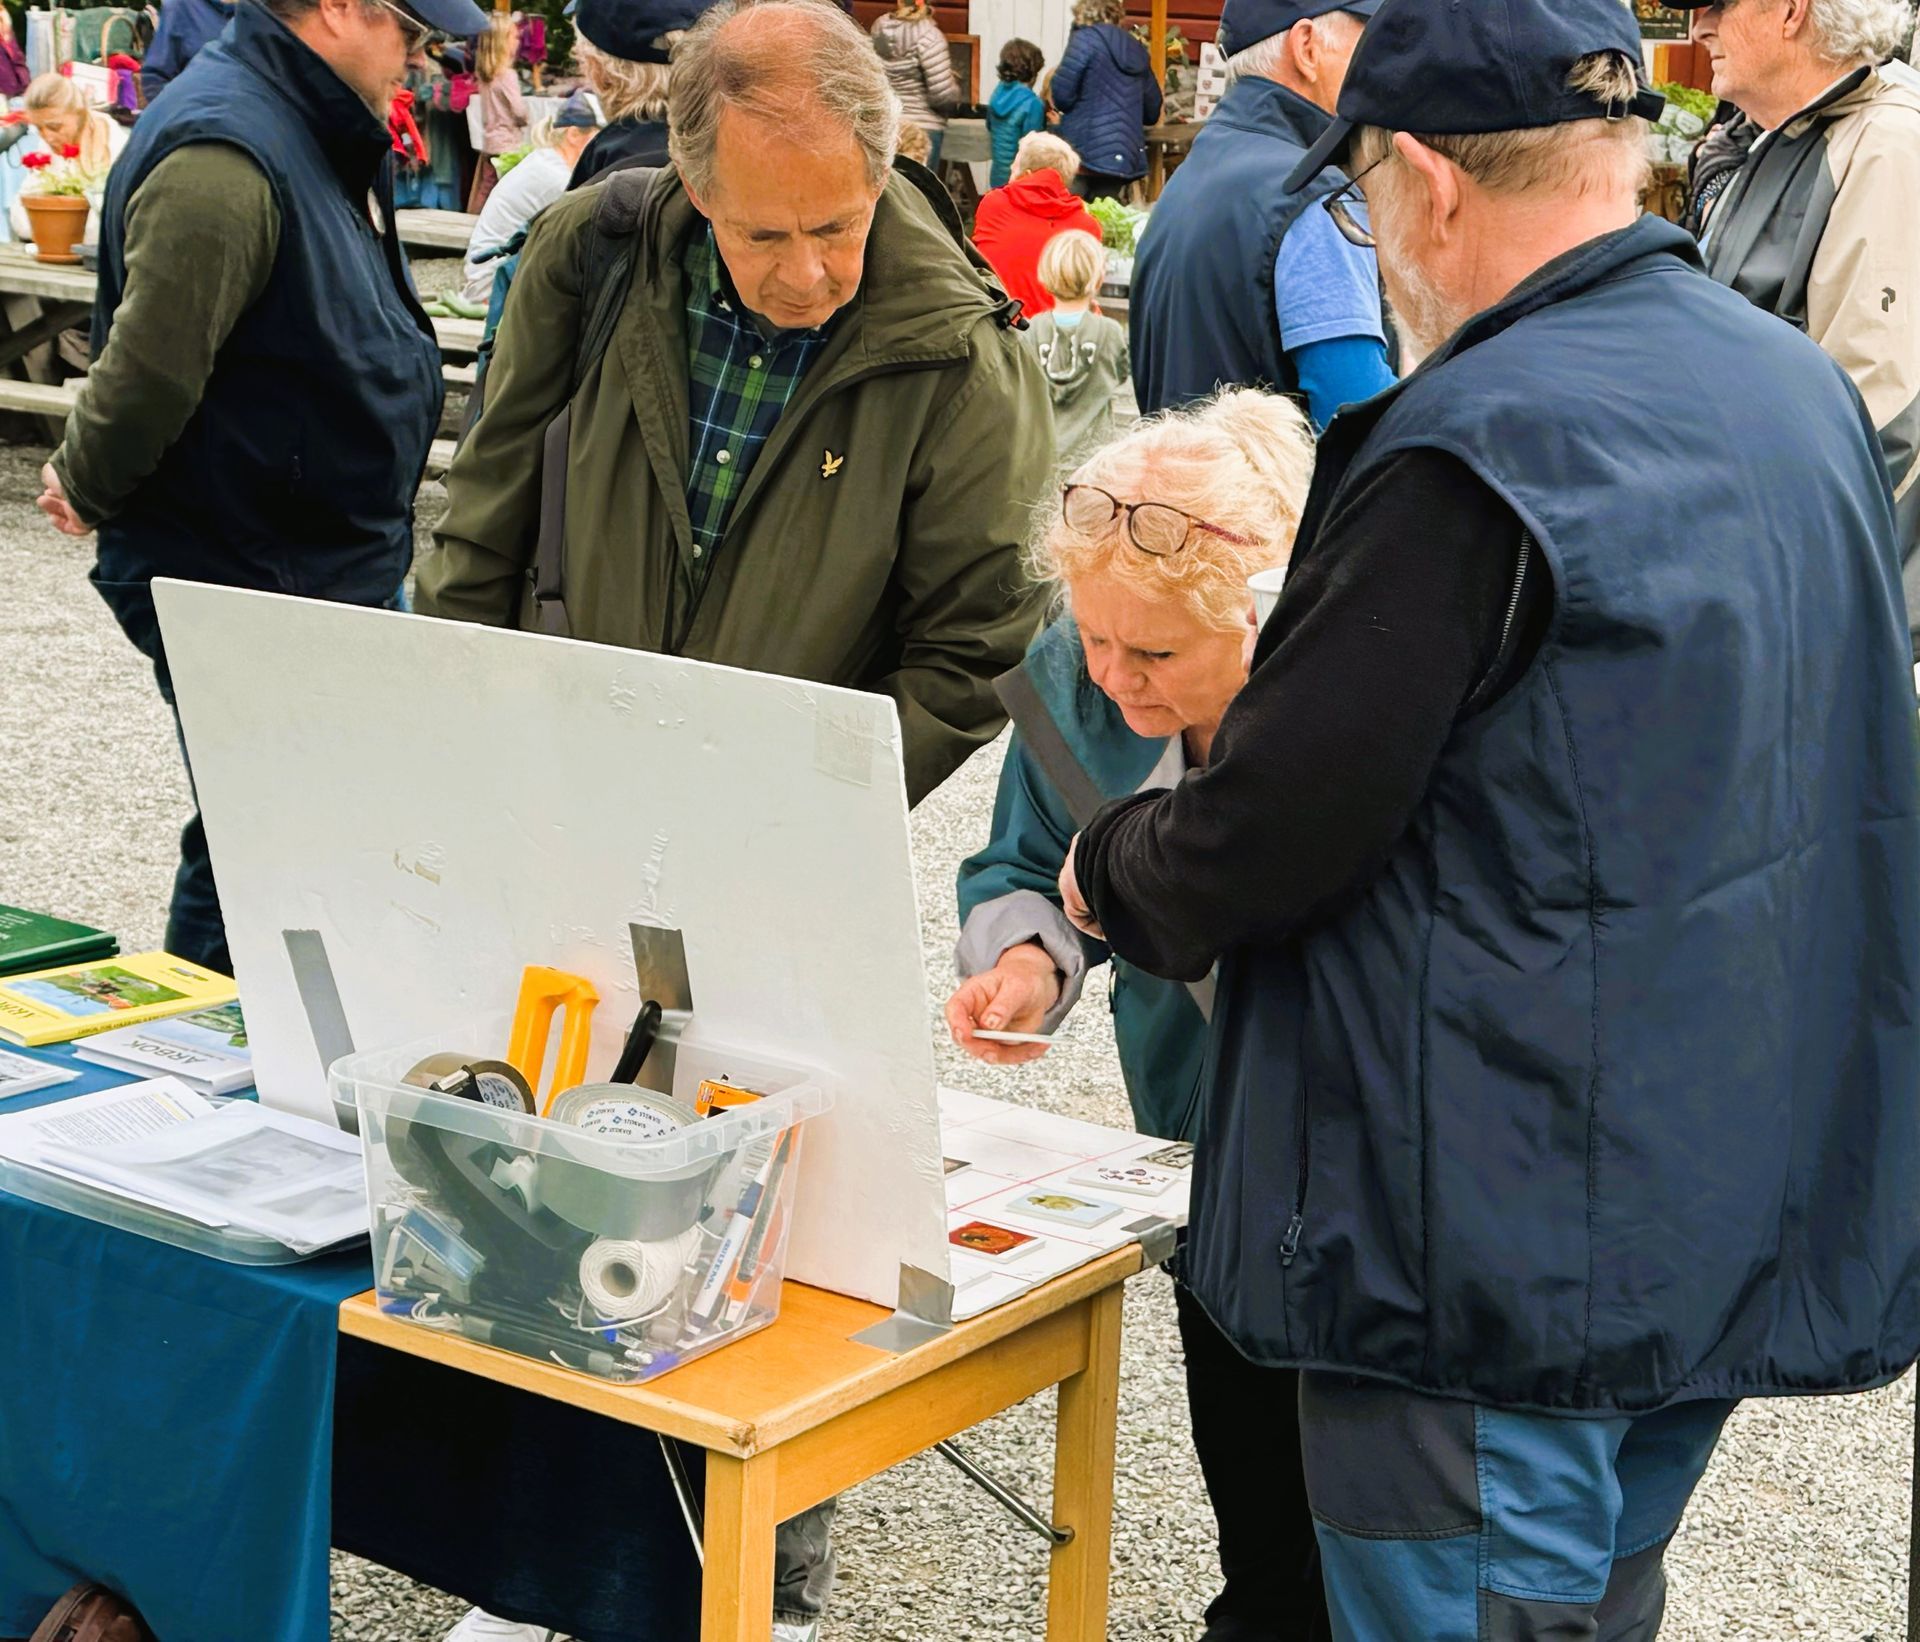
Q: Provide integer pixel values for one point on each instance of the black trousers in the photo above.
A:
(1246, 1430)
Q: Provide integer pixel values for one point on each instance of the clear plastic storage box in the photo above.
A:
(622, 1243)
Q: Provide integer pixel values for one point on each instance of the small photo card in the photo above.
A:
(993, 1242)
(1136, 1178)
(1063, 1208)
(1177, 1155)
(953, 1165)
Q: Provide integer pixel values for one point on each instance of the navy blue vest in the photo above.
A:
(1605, 1093)
(298, 469)
(1202, 300)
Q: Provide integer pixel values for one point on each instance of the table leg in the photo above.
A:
(736, 1592)
(1083, 1481)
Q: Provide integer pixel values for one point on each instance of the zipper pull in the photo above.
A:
(1290, 1244)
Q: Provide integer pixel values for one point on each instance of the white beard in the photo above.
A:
(1423, 315)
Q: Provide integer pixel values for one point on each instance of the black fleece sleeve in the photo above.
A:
(1404, 608)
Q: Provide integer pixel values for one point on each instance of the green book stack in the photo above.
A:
(31, 940)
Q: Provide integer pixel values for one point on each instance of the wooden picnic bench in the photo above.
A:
(39, 300)
(436, 230)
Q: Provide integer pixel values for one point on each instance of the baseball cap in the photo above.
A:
(459, 18)
(1245, 23)
(578, 112)
(632, 29)
(1455, 68)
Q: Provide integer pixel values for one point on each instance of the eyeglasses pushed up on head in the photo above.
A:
(1153, 527)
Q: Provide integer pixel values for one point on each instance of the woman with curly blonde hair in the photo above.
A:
(1151, 544)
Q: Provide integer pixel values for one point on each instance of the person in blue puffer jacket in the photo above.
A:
(1107, 96)
(185, 26)
(1152, 542)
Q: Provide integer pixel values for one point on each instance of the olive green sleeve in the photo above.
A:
(967, 610)
(201, 234)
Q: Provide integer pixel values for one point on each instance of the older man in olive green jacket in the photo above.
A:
(813, 444)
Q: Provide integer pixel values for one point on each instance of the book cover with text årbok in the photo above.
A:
(207, 1049)
(56, 1005)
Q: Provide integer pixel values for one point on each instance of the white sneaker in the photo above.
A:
(809, 1632)
(481, 1626)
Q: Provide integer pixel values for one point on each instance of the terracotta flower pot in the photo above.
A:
(58, 221)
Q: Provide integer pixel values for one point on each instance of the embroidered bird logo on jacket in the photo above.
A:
(831, 465)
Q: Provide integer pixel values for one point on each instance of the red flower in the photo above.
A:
(36, 162)
(69, 151)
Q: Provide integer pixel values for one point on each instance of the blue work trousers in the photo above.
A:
(1443, 1521)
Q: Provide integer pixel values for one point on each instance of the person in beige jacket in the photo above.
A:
(1822, 226)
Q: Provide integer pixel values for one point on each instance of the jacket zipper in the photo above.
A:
(1513, 603)
(1303, 1146)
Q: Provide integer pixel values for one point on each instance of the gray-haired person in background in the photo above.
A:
(1820, 225)
(810, 445)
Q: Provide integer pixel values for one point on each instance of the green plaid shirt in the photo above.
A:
(739, 380)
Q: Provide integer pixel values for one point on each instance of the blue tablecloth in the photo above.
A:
(166, 1423)
(195, 1434)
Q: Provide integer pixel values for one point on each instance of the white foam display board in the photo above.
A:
(447, 804)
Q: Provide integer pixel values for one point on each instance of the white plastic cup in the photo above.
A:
(1265, 586)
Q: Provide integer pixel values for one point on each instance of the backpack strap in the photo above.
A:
(613, 242)
(1047, 746)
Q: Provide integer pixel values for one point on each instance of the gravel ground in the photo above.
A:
(1800, 1529)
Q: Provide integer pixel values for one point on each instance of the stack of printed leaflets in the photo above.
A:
(1031, 1195)
(57, 1005)
(262, 1173)
(206, 1050)
(22, 1074)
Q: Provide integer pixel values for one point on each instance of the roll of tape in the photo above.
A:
(619, 1111)
(624, 1281)
(492, 1082)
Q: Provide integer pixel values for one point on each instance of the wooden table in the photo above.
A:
(65, 297)
(24, 274)
(436, 230)
(802, 1411)
(1164, 143)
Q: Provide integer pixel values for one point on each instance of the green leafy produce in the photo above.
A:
(1119, 225)
(1702, 103)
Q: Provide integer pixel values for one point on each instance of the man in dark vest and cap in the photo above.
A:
(265, 384)
(1561, 860)
(1240, 281)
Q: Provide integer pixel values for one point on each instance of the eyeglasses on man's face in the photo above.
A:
(1153, 527)
(1347, 206)
(414, 33)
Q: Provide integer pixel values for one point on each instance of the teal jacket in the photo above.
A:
(1009, 892)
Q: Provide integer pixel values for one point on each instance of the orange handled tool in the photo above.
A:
(542, 991)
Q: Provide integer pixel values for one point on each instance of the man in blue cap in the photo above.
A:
(266, 384)
(1239, 280)
(1561, 859)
